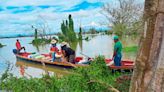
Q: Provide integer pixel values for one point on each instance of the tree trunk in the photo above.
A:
(148, 74)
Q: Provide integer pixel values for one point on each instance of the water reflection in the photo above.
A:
(37, 47)
(25, 69)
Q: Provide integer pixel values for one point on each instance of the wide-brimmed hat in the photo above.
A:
(64, 43)
(53, 41)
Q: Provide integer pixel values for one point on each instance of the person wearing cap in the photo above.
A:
(68, 53)
(19, 47)
(117, 54)
(53, 49)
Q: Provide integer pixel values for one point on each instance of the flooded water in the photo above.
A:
(97, 45)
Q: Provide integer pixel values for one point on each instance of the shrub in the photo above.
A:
(95, 78)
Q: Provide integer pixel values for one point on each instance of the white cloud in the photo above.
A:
(39, 2)
(22, 21)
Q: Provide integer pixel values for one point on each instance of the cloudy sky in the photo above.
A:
(17, 16)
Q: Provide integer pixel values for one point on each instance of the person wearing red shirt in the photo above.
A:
(18, 46)
(54, 50)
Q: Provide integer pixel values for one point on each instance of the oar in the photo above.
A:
(84, 55)
(69, 63)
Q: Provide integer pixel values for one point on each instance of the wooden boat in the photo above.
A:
(24, 57)
(125, 65)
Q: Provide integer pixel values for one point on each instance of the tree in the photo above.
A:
(71, 28)
(148, 73)
(1, 45)
(80, 33)
(67, 28)
(125, 14)
(36, 34)
(43, 27)
(63, 28)
(71, 24)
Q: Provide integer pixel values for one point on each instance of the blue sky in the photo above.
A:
(17, 16)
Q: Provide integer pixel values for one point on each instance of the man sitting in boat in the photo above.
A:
(54, 51)
(68, 53)
(117, 54)
(19, 47)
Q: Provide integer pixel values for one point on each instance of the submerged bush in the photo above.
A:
(40, 41)
(1, 45)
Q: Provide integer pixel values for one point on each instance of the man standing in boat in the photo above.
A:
(68, 53)
(117, 54)
(18, 46)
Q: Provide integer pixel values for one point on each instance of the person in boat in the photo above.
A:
(117, 54)
(19, 47)
(54, 50)
(68, 53)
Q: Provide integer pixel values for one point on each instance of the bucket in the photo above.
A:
(15, 51)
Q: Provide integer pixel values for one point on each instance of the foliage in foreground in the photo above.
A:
(96, 78)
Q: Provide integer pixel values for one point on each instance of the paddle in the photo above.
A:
(84, 55)
(71, 64)
(89, 59)
(65, 61)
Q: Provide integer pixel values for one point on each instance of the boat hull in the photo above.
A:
(45, 62)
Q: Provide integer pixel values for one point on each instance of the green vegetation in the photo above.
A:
(41, 41)
(119, 29)
(130, 49)
(36, 34)
(108, 32)
(91, 31)
(1, 45)
(95, 78)
(80, 34)
(125, 18)
(68, 33)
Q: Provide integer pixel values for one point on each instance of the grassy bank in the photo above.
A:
(95, 78)
(130, 49)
